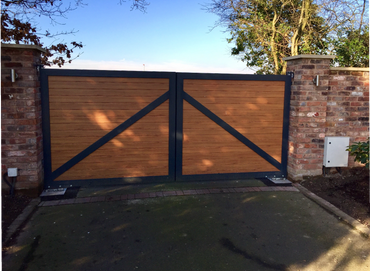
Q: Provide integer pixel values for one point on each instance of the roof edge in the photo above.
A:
(349, 69)
(23, 46)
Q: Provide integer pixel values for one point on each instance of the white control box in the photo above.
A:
(335, 154)
(12, 172)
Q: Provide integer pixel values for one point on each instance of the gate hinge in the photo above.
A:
(291, 74)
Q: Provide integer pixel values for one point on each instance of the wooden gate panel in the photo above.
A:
(136, 152)
(107, 127)
(83, 109)
(253, 108)
(209, 149)
(231, 126)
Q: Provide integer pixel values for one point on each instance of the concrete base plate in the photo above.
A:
(59, 193)
(280, 181)
(53, 192)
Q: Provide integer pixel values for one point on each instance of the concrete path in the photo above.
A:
(254, 229)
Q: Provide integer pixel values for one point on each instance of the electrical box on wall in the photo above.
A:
(12, 172)
(335, 154)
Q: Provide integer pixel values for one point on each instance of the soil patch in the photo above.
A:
(11, 208)
(348, 191)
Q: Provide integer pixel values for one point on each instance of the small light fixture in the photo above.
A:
(13, 75)
(316, 80)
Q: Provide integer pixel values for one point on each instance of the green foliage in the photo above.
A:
(18, 26)
(352, 48)
(360, 150)
(264, 32)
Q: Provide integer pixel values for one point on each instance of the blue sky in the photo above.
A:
(170, 36)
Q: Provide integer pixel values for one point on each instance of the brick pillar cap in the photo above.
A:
(23, 46)
(309, 57)
(349, 69)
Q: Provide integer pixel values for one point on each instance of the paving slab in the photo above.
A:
(270, 230)
(147, 188)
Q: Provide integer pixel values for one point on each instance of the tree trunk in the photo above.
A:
(273, 45)
(303, 19)
(362, 17)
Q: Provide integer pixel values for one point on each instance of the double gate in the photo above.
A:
(112, 127)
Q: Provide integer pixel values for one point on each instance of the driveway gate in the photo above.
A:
(112, 127)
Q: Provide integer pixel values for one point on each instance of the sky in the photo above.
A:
(170, 36)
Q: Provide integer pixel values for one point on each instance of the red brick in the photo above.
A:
(159, 194)
(313, 103)
(12, 64)
(308, 67)
(169, 193)
(356, 104)
(141, 195)
(312, 166)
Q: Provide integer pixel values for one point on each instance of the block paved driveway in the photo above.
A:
(229, 229)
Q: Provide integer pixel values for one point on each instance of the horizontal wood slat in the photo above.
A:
(114, 162)
(98, 106)
(212, 94)
(119, 98)
(89, 138)
(122, 162)
(107, 126)
(137, 152)
(102, 92)
(101, 171)
(95, 167)
(228, 83)
(100, 89)
(243, 102)
(108, 83)
(96, 117)
(104, 80)
(248, 88)
(263, 137)
(249, 123)
(223, 148)
(252, 114)
(228, 108)
(205, 166)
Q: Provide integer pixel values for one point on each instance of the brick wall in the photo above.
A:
(21, 140)
(339, 106)
(348, 104)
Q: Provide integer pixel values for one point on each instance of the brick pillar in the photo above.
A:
(307, 114)
(21, 140)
